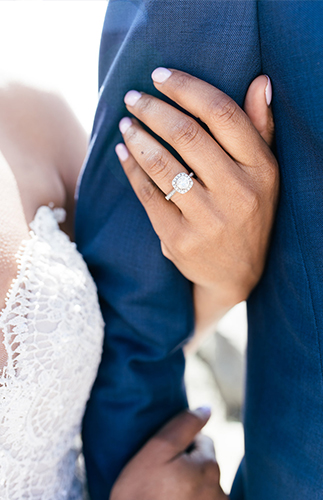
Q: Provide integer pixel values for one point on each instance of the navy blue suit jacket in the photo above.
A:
(147, 304)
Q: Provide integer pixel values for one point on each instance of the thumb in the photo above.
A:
(178, 434)
(258, 108)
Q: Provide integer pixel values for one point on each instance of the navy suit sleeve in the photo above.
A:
(146, 303)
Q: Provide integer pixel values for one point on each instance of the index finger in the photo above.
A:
(228, 123)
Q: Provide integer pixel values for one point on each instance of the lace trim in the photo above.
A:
(53, 334)
(23, 256)
(21, 260)
(23, 252)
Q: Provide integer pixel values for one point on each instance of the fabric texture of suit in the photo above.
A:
(146, 303)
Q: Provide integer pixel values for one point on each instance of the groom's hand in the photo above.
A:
(178, 463)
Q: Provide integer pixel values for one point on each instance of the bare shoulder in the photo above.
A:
(13, 227)
(38, 128)
(44, 118)
(13, 230)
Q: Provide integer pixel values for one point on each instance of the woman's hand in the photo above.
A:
(217, 233)
(170, 467)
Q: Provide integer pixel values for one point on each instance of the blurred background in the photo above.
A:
(54, 45)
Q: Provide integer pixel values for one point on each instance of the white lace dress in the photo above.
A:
(52, 332)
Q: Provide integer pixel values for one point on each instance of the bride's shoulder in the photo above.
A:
(43, 119)
(26, 110)
(39, 130)
(13, 227)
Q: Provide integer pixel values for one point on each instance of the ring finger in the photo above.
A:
(159, 164)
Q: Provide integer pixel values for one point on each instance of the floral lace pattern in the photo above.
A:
(52, 334)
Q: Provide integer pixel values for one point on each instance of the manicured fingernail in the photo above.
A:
(132, 97)
(122, 152)
(124, 124)
(203, 412)
(160, 75)
(268, 91)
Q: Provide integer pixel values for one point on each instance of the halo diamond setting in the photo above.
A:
(181, 184)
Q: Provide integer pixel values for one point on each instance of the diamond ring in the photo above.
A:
(181, 183)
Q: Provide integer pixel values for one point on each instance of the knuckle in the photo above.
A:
(147, 104)
(174, 241)
(158, 163)
(184, 246)
(166, 253)
(147, 191)
(182, 81)
(251, 201)
(271, 175)
(266, 171)
(224, 109)
(131, 134)
(186, 132)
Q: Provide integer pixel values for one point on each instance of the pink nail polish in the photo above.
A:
(268, 91)
(203, 412)
(132, 97)
(122, 152)
(160, 75)
(124, 124)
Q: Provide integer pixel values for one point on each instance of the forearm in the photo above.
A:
(210, 305)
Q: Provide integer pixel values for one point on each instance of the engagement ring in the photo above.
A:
(181, 184)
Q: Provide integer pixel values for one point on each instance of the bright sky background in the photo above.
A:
(54, 45)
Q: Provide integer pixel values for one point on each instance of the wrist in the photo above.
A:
(212, 303)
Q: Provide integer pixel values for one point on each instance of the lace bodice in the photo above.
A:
(52, 332)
